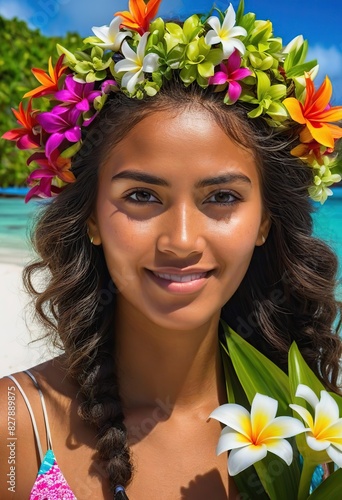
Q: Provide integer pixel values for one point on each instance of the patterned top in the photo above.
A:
(50, 483)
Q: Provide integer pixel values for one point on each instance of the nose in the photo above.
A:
(182, 232)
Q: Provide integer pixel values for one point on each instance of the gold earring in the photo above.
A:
(91, 239)
(263, 239)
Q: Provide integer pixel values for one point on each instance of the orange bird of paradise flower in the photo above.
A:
(49, 80)
(140, 15)
(25, 136)
(316, 114)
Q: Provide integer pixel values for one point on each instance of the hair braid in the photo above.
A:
(101, 407)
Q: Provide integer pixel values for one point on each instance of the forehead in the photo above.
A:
(186, 143)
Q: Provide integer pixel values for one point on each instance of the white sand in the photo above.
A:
(15, 353)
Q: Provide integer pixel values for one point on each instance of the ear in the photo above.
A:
(264, 229)
(93, 230)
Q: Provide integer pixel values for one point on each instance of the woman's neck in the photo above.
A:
(177, 369)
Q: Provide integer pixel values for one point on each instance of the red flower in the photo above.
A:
(316, 114)
(49, 80)
(26, 136)
(140, 15)
(55, 167)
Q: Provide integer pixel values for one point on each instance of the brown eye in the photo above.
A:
(141, 196)
(223, 198)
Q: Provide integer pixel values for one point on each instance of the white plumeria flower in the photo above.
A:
(251, 435)
(226, 33)
(325, 427)
(136, 63)
(111, 35)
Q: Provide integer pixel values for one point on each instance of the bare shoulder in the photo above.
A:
(20, 405)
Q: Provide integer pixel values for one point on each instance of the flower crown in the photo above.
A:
(136, 54)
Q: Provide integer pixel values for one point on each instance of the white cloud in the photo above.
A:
(329, 59)
(330, 63)
(15, 9)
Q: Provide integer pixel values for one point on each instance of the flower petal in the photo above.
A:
(230, 18)
(133, 80)
(282, 427)
(304, 413)
(126, 65)
(235, 416)
(218, 79)
(230, 45)
(128, 52)
(141, 49)
(335, 455)
(282, 449)
(212, 38)
(234, 92)
(52, 143)
(73, 134)
(243, 458)
(326, 412)
(295, 109)
(230, 439)
(316, 444)
(214, 22)
(151, 63)
(321, 133)
(263, 411)
(305, 392)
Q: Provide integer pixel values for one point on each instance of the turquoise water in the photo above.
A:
(16, 218)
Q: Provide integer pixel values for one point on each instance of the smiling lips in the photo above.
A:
(180, 278)
(181, 283)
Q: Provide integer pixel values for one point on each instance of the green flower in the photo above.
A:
(263, 51)
(268, 99)
(200, 62)
(181, 36)
(89, 67)
(323, 179)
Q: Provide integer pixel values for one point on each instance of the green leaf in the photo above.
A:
(301, 69)
(256, 372)
(72, 150)
(263, 84)
(254, 113)
(277, 111)
(69, 55)
(300, 373)
(174, 30)
(188, 74)
(206, 69)
(277, 92)
(92, 40)
(240, 12)
(330, 489)
(192, 26)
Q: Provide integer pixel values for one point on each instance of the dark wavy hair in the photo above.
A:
(287, 294)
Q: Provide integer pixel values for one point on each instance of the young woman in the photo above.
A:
(182, 210)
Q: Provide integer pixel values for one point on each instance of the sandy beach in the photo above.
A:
(16, 352)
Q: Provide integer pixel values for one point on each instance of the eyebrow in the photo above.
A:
(137, 175)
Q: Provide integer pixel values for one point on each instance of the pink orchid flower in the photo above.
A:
(80, 95)
(230, 73)
(49, 168)
(62, 123)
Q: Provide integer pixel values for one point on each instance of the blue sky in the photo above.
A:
(320, 21)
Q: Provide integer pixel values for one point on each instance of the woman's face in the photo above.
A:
(179, 213)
